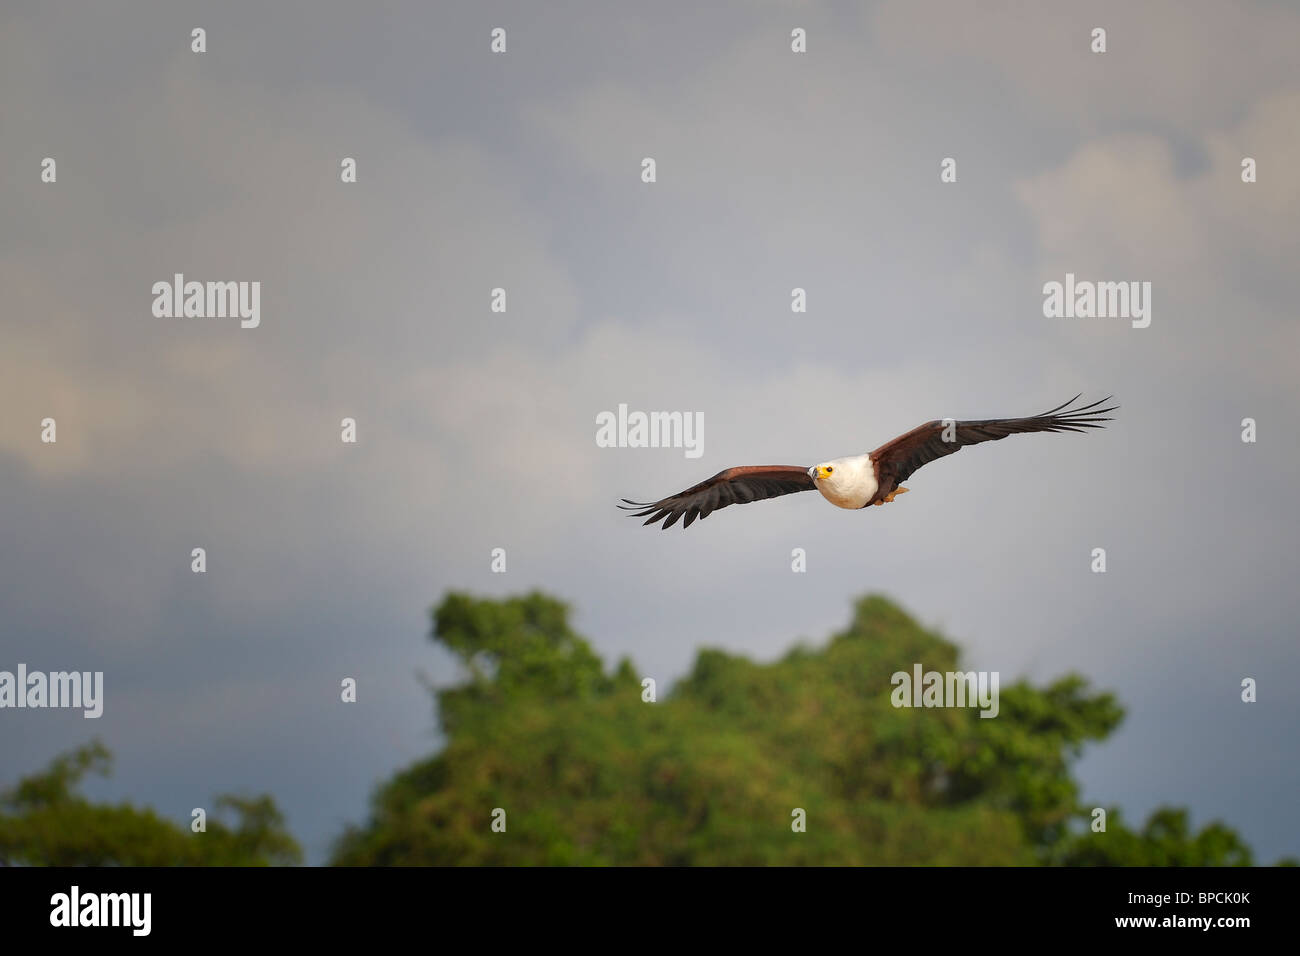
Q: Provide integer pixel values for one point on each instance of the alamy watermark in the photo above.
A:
(208, 300)
(81, 690)
(948, 689)
(634, 429)
(1083, 299)
(75, 908)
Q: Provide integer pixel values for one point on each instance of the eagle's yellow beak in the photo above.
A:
(823, 471)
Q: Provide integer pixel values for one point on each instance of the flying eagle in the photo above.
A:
(859, 480)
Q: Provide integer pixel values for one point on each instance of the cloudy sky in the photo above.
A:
(476, 429)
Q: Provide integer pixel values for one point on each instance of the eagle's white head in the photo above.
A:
(846, 482)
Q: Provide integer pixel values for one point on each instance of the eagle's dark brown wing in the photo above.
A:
(896, 460)
(733, 486)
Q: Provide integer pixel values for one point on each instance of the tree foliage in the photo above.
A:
(588, 773)
(44, 821)
(714, 773)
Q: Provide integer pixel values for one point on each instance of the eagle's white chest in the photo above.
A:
(852, 483)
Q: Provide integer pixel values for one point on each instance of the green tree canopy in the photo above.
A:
(44, 821)
(589, 773)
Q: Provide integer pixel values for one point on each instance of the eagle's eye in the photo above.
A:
(830, 470)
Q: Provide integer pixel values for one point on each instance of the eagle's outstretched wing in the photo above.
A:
(733, 486)
(896, 460)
